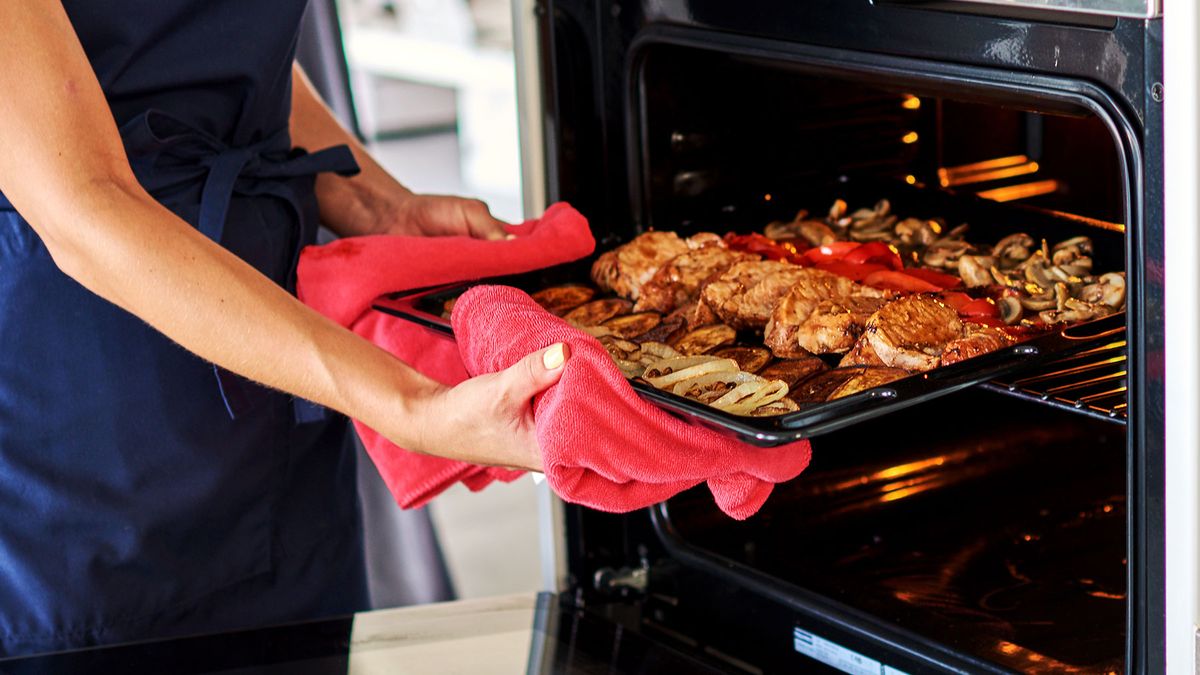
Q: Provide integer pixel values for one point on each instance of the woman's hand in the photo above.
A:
(489, 419)
(441, 216)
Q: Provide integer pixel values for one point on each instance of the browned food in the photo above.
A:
(912, 332)
(835, 325)
(749, 359)
(633, 325)
(862, 354)
(558, 300)
(625, 269)
(448, 307)
(792, 371)
(781, 407)
(868, 378)
(979, 339)
(754, 307)
(679, 280)
(597, 312)
(814, 286)
(705, 339)
(817, 387)
(724, 294)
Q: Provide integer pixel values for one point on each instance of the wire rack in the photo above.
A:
(1092, 382)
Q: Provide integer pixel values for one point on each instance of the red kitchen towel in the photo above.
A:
(343, 278)
(602, 445)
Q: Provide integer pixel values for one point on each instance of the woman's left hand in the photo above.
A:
(442, 216)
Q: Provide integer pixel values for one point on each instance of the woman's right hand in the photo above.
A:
(489, 419)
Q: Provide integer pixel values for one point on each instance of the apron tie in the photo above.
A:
(170, 156)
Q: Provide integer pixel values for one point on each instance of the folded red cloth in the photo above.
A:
(602, 445)
(342, 279)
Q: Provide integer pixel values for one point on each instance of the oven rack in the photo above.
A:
(1093, 382)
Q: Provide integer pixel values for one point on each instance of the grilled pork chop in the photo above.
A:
(625, 269)
(755, 306)
(862, 354)
(912, 332)
(724, 295)
(807, 291)
(835, 325)
(678, 281)
(979, 339)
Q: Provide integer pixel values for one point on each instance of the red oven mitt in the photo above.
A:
(602, 445)
(342, 279)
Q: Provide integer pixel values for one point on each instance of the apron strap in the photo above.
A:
(166, 152)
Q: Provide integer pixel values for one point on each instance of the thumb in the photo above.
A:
(536, 372)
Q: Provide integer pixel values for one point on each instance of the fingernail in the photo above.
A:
(509, 237)
(554, 357)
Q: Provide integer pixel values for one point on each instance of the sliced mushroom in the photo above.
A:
(1042, 300)
(1061, 294)
(1066, 252)
(1006, 280)
(1037, 270)
(1013, 249)
(976, 270)
(917, 232)
(816, 233)
(1010, 309)
(1108, 290)
(1075, 310)
(945, 253)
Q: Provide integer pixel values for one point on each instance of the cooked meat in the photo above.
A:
(814, 286)
(754, 307)
(705, 339)
(835, 325)
(633, 325)
(678, 281)
(597, 312)
(624, 269)
(868, 378)
(792, 371)
(724, 294)
(979, 339)
(862, 354)
(560, 299)
(749, 359)
(817, 387)
(912, 332)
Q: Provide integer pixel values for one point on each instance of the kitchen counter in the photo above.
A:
(524, 633)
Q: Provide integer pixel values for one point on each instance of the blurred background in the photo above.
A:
(432, 90)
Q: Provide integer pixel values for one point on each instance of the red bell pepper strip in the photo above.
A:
(876, 253)
(979, 309)
(900, 281)
(956, 300)
(830, 252)
(848, 270)
(939, 279)
(764, 246)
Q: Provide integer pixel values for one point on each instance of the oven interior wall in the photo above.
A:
(719, 132)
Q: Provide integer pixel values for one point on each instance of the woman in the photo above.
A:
(153, 209)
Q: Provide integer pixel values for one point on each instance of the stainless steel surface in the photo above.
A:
(1143, 9)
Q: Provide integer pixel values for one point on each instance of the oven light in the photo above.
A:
(1022, 191)
(767, 197)
(910, 138)
(911, 102)
(910, 179)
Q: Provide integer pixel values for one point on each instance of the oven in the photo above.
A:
(1015, 525)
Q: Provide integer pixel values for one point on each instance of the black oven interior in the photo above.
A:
(988, 531)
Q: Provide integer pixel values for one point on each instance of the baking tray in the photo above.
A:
(989, 222)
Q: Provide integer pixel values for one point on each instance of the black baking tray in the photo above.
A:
(989, 222)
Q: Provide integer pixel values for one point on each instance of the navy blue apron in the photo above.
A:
(143, 492)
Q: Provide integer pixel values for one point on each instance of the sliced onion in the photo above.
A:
(725, 377)
(746, 397)
(686, 367)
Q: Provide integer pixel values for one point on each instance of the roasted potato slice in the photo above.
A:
(597, 312)
(705, 339)
(633, 325)
(792, 371)
(749, 359)
(869, 378)
(558, 300)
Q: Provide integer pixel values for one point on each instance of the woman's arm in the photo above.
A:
(63, 166)
(373, 202)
